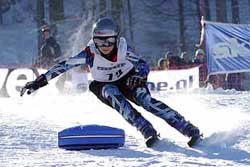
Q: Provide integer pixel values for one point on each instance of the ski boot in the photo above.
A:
(194, 133)
(195, 140)
(152, 140)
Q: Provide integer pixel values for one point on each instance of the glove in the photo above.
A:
(32, 86)
(142, 69)
(136, 81)
(140, 77)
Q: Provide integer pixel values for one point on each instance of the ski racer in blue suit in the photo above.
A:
(119, 77)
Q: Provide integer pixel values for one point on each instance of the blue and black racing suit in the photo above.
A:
(118, 93)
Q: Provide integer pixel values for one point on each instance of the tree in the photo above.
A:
(182, 26)
(130, 22)
(117, 12)
(203, 9)
(111, 8)
(221, 11)
(235, 12)
(102, 7)
(207, 10)
(40, 22)
(4, 7)
(56, 10)
(1, 17)
(56, 13)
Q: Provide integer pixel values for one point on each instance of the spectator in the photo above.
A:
(199, 57)
(171, 61)
(218, 80)
(163, 62)
(50, 50)
(235, 81)
(246, 81)
(174, 61)
(200, 60)
(185, 59)
(50, 53)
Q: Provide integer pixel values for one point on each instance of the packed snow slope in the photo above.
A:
(29, 127)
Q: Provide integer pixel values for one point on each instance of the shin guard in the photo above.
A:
(118, 101)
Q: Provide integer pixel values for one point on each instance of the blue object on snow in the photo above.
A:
(91, 137)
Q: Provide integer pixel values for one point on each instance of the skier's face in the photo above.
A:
(105, 44)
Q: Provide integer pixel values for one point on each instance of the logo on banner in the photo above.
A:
(231, 48)
(182, 84)
(174, 80)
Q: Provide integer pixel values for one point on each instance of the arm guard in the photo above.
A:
(63, 66)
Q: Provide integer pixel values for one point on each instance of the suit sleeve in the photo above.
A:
(141, 66)
(84, 57)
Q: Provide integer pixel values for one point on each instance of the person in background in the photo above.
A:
(120, 77)
(200, 60)
(246, 81)
(50, 54)
(199, 57)
(50, 50)
(185, 59)
(163, 62)
(235, 81)
(174, 62)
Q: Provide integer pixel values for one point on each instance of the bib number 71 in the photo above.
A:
(116, 74)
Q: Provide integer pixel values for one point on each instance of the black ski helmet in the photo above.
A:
(105, 27)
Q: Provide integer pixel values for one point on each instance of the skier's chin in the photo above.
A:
(106, 50)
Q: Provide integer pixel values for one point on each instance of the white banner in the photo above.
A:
(174, 80)
(167, 80)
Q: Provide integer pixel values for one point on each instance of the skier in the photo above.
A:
(119, 75)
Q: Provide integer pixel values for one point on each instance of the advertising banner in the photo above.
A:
(11, 80)
(227, 47)
(174, 80)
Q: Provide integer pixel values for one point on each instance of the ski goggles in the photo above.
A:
(104, 41)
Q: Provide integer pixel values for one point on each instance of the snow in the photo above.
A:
(29, 127)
